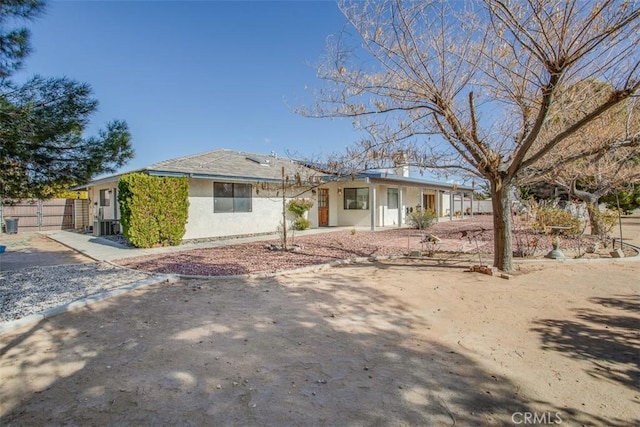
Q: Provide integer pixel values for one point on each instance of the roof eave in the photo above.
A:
(399, 180)
(227, 178)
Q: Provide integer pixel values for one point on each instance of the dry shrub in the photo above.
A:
(548, 217)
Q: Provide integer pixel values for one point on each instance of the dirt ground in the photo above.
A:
(31, 249)
(398, 342)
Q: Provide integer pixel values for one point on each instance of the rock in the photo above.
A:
(431, 238)
(617, 253)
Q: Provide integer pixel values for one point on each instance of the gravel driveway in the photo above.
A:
(35, 289)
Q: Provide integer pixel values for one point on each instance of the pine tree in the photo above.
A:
(42, 143)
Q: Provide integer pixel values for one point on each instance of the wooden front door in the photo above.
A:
(323, 207)
(430, 202)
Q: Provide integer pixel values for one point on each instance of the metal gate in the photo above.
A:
(40, 215)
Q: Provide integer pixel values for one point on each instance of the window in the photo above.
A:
(105, 197)
(231, 197)
(392, 198)
(356, 198)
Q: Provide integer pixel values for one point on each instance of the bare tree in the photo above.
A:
(592, 177)
(467, 87)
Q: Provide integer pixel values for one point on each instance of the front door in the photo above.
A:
(430, 202)
(323, 207)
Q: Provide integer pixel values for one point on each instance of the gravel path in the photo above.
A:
(33, 290)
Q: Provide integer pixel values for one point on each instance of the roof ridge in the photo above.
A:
(190, 156)
(221, 150)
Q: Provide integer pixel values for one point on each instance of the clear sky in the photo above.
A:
(194, 76)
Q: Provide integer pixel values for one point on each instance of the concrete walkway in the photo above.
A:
(101, 249)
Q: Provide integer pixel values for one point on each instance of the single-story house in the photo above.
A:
(232, 193)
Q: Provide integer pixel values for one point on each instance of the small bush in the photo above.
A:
(547, 217)
(421, 219)
(606, 220)
(299, 206)
(301, 223)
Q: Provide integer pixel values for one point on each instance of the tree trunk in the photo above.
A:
(502, 249)
(591, 199)
(594, 217)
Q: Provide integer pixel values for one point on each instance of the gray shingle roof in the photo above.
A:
(232, 164)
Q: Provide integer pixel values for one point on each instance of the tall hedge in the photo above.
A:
(153, 210)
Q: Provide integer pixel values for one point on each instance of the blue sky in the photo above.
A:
(190, 77)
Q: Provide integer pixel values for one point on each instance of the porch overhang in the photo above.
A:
(381, 178)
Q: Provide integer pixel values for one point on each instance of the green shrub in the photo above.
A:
(547, 217)
(421, 219)
(628, 199)
(301, 223)
(299, 206)
(153, 209)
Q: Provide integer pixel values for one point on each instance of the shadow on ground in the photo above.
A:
(610, 341)
(287, 351)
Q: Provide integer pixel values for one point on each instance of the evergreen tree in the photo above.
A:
(42, 143)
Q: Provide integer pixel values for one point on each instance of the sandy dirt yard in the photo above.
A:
(399, 342)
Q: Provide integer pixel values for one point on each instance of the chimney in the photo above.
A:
(401, 167)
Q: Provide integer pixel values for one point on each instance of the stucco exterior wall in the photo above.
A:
(312, 214)
(96, 210)
(265, 215)
(353, 217)
(385, 216)
(412, 197)
(266, 212)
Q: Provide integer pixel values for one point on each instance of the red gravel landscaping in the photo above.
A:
(462, 237)
(254, 258)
